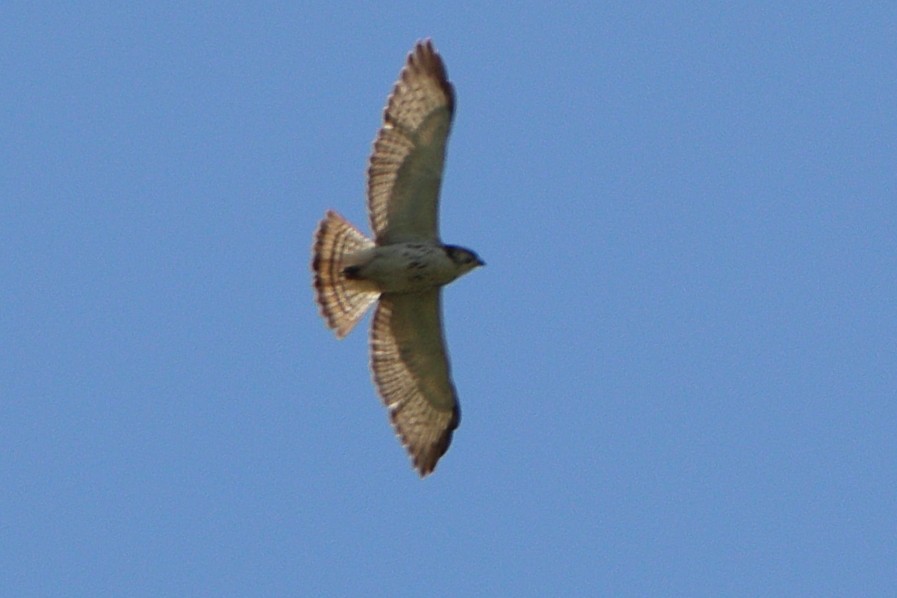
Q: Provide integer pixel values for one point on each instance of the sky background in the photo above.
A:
(678, 371)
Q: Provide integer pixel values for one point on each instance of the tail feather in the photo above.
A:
(342, 301)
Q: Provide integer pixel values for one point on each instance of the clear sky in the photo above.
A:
(678, 371)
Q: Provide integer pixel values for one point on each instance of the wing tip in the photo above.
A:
(424, 459)
(425, 59)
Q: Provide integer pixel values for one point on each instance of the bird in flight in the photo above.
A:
(405, 265)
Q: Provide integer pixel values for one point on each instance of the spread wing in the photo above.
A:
(405, 169)
(411, 372)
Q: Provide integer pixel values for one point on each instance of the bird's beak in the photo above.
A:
(480, 262)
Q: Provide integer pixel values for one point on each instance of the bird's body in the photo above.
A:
(404, 267)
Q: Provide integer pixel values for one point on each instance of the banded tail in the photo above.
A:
(342, 301)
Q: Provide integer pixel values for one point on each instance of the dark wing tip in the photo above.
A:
(424, 59)
(425, 460)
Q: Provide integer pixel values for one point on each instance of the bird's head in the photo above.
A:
(465, 259)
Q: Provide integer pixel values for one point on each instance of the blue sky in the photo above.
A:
(677, 371)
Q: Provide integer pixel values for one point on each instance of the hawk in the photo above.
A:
(404, 267)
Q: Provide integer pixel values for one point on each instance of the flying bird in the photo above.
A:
(404, 267)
